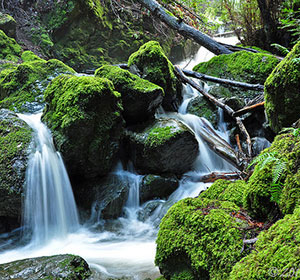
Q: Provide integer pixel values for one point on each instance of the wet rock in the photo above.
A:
(166, 146)
(154, 186)
(15, 139)
(140, 98)
(107, 195)
(54, 267)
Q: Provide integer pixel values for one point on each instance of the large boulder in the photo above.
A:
(8, 24)
(62, 267)
(140, 98)
(199, 239)
(282, 90)
(84, 114)
(15, 139)
(276, 254)
(165, 146)
(9, 49)
(22, 87)
(282, 158)
(154, 66)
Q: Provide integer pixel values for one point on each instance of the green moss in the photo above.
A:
(9, 49)
(199, 237)
(159, 135)
(276, 254)
(226, 191)
(257, 197)
(26, 83)
(84, 114)
(282, 91)
(241, 66)
(29, 56)
(155, 67)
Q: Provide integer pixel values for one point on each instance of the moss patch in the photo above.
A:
(9, 49)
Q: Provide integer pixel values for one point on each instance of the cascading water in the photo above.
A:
(127, 249)
(50, 209)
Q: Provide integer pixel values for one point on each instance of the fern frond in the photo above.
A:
(276, 190)
(283, 50)
(278, 168)
(263, 159)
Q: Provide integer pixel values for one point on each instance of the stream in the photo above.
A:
(125, 248)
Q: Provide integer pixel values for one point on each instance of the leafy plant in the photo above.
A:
(278, 167)
(283, 50)
(294, 131)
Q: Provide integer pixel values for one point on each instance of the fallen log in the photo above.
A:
(250, 241)
(227, 82)
(249, 109)
(218, 103)
(214, 176)
(182, 28)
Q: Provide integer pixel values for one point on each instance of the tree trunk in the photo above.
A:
(187, 31)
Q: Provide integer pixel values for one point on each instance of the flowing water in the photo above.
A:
(123, 248)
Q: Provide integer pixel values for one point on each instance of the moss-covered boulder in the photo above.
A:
(240, 66)
(64, 267)
(259, 193)
(226, 191)
(276, 254)
(8, 24)
(154, 186)
(282, 90)
(15, 139)
(165, 146)
(22, 87)
(199, 239)
(84, 114)
(9, 49)
(140, 98)
(154, 66)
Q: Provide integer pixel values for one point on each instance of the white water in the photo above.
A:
(128, 248)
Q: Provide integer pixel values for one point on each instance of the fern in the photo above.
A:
(294, 131)
(278, 168)
(283, 50)
(276, 190)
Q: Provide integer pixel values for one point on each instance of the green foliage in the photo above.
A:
(295, 131)
(158, 135)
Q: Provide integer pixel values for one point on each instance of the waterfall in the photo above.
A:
(49, 209)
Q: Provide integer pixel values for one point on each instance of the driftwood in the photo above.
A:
(218, 103)
(214, 176)
(227, 82)
(182, 28)
(248, 109)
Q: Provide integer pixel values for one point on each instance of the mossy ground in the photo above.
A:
(282, 91)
